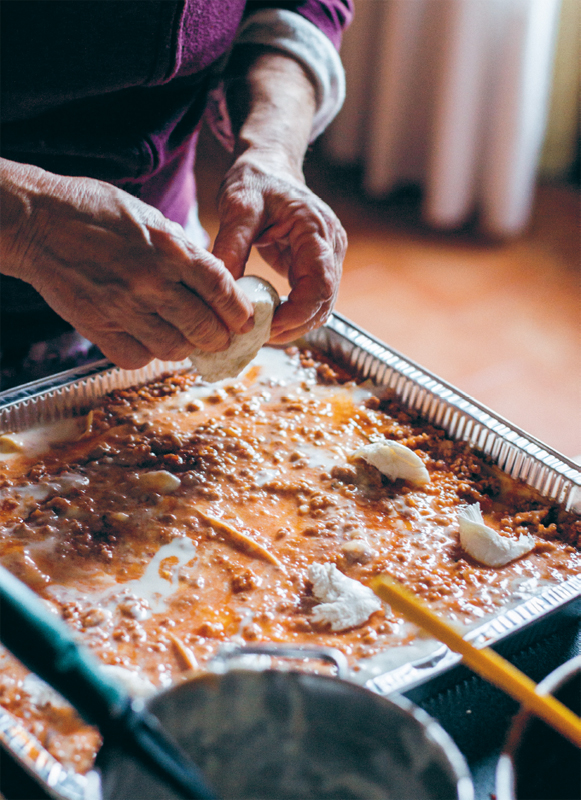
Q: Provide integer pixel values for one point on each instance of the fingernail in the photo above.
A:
(248, 325)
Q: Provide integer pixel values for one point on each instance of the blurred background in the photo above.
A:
(454, 167)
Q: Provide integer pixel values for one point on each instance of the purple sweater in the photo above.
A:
(115, 90)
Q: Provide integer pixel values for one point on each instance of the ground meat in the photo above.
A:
(255, 487)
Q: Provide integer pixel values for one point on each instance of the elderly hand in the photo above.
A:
(122, 274)
(295, 232)
(264, 201)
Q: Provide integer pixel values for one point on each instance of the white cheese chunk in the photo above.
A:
(243, 346)
(160, 481)
(394, 460)
(133, 683)
(486, 545)
(345, 603)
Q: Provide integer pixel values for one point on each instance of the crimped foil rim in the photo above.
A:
(460, 415)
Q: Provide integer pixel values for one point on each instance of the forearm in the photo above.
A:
(271, 101)
(263, 199)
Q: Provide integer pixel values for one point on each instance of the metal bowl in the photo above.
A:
(537, 762)
(290, 735)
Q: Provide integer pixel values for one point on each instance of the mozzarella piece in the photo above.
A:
(394, 460)
(160, 480)
(243, 346)
(486, 545)
(345, 603)
(132, 682)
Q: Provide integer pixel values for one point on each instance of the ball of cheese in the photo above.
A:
(243, 346)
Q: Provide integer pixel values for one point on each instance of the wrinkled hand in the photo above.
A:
(268, 206)
(123, 275)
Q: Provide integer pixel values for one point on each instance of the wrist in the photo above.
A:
(271, 102)
(271, 158)
(20, 185)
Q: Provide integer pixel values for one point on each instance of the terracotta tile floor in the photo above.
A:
(500, 320)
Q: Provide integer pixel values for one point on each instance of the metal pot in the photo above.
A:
(537, 762)
(277, 735)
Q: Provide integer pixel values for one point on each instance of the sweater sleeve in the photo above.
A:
(56, 52)
(310, 33)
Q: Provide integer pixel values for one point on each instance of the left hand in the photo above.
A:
(264, 202)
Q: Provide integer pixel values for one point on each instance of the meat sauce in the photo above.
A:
(182, 516)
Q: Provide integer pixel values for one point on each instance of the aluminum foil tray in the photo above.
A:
(515, 452)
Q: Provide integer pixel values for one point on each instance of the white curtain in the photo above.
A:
(451, 95)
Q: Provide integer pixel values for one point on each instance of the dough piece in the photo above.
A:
(244, 346)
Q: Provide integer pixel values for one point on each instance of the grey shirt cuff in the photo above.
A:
(290, 33)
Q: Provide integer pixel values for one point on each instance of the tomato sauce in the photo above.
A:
(179, 516)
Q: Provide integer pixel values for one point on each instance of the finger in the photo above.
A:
(204, 274)
(207, 281)
(304, 234)
(301, 312)
(121, 348)
(197, 323)
(292, 335)
(153, 332)
(239, 227)
(277, 255)
(163, 339)
(314, 278)
(286, 331)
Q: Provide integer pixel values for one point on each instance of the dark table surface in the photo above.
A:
(478, 716)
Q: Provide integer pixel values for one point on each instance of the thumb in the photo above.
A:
(238, 231)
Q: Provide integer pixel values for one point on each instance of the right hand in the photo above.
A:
(122, 274)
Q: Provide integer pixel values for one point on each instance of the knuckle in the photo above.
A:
(179, 351)
(324, 314)
(168, 343)
(220, 284)
(235, 200)
(223, 294)
(328, 292)
(341, 242)
(209, 333)
(164, 352)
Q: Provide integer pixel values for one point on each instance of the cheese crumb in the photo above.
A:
(485, 544)
(345, 603)
(160, 481)
(394, 460)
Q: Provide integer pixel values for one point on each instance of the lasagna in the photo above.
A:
(179, 515)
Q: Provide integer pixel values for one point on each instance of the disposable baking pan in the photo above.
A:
(516, 452)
